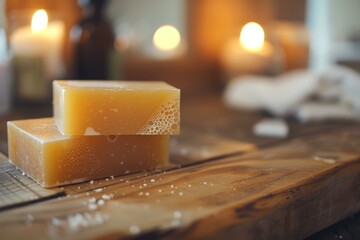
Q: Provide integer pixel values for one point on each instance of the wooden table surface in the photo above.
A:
(224, 182)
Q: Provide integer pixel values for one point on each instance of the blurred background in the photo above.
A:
(194, 45)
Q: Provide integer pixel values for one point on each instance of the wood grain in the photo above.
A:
(192, 147)
(16, 189)
(285, 192)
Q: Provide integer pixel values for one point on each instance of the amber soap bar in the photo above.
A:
(38, 148)
(116, 108)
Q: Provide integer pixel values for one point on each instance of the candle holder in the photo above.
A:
(36, 47)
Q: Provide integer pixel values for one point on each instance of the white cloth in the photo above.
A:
(334, 94)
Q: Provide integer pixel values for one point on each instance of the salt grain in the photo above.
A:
(177, 214)
(56, 221)
(98, 190)
(134, 229)
(92, 206)
(106, 197)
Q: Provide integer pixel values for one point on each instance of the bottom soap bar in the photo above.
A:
(51, 159)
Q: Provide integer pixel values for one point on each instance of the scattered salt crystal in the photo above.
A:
(189, 185)
(23, 173)
(92, 182)
(92, 206)
(177, 214)
(112, 177)
(159, 190)
(56, 221)
(172, 186)
(30, 217)
(98, 190)
(175, 222)
(78, 187)
(147, 194)
(204, 182)
(145, 184)
(181, 193)
(141, 193)
(106, 197)
(152, 180)
(101, 202)
(172, 192)
(134, 229)
(106, 179)
(92, 200)
(87, 194)
(79, 221)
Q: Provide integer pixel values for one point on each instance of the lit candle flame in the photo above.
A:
(166, 38)
(252, 37)
(39, 21)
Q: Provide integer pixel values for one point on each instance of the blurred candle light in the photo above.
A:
(252, 37)
(39, 21)
(39, 43)
(167, 42)
(166, 38)
(250, 53)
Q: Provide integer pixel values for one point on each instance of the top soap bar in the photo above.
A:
(116, 108)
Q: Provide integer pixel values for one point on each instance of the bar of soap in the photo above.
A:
(52, 159)
(116, 108)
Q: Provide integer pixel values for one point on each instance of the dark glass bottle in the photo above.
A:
(93, 41)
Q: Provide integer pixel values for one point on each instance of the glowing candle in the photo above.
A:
(167, 42)
(250, 53)
(41, 39)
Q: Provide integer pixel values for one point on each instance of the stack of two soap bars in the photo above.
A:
(100, 129)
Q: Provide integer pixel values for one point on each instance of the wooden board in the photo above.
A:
(288, 191)
(191, 147)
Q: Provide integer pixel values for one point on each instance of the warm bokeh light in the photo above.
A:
(39, 21)
(252, 37)
(166, 38)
